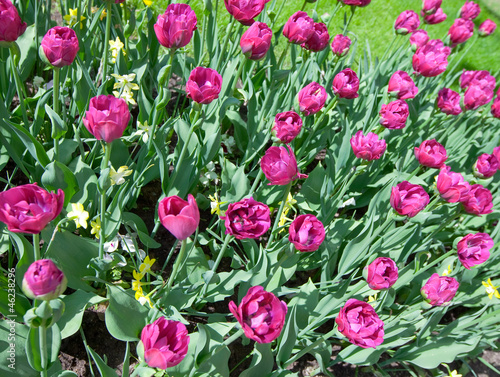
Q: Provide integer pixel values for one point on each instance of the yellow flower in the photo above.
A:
(127, 95)
(96, 227)
(372, 298)
(125, 82)
(290, 201)
(103, 14)
(491, 289)
(143, 131)
(136, 281)
(447, 271)
(454, 373)
(146, 265)
(78, 215)
(215, 205)
(115, 46)
(148, 2)
(71, 18)
(118, 177)
(139, 296)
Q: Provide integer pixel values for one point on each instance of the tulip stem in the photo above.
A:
(226, 41)
(278, 215)
(450, 71)
(353, 9)
(102, 233)
(14, 52)
(305, 350)
(42, 338)
(216, 264)
(36, 246)
(177, 264)
(109, 16)
(237, 76)
(282, 57)
(256, 182)
(339, 4)
(55, 94)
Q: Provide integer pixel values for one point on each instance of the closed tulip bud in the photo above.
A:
(435, 18)
(402, 86)
(407, 22)
(29, 208)
(312, 98)
(287, 126)
(360, 324)
(495, 109)
(247, 219)
(452, 186)
(460, 31)
(60, 46)
(319, 38)
(382, 273)
(408, 199)
(340, 45)
(107, 117)
(486, 166)
(44, 281)
(431, 6)
(203, 85)
(255, 42)
(245, 11)
(368, 147)
(478, 201)
(179, 217)
(439, 290)
(346, 84)
(11, 25)
(299, 28)
(175, 27)
(487, 27)
(431, 154)
(165, 343)
(477, 94)
(280, 166)
(306, 233)
(357, 3)
(474, 249)
(470, 10)
(393, 115)
(261, 315)
(418, 38)
(448, 101)
(431, 59)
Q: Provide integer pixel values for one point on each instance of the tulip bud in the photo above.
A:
(203, 85)
(306, 233)
(408, 199)
(393, 115)
(287, 126)
(448, 101)
(487, 27)
(402, 86)
(460, 31)
(407, 22)
(181, 218)
(299, 28)
(431, 6)
(60, 46)
(418, 38)
(11, 25)
(439, 290)
(367, 147)
(474, 249)
(255, 42)
(175, 27)
(319, 38)
(470, 10)
(245, 11)
(44, 281)
(356, 3)
(435, 18)
(431, 154)
(486, 166)
(340, 45)
(382, 273)
(312, 98)
(280, 166)
(346, 84)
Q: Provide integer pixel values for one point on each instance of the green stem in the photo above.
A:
(109, 9)
(339, 4)
(19, 86)
(450, 71)
(177, 264)
(226, 41)
(169, 254)
(36, 246)
(280, 210)
(55, 93)
(433, 263)
(42, 331)
(102, 235)
(353, 9)
(282, 57)
(216, 264)
(352, 177)
(237, 76)
(305, 350)
(256, 182)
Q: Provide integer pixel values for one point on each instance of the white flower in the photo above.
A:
(143, 130)
(112, 245)
(118, 177)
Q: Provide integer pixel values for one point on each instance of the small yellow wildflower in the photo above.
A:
(118, 177)
(139, 296)
(146, 265)
(372, 298)
(147, 2)
(125, 82)
(115, 46)
(491, 289)
(103, 14)
(447, 271)
(127, 95)
(96, 227)
(136, 282)
(71, 18)
(78, 215)
(143, 130)
(290, 201)
(454, 373)
(215, 205)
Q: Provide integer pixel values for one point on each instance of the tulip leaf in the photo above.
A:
(262, 361)
(288, 337)
(53, 342)
(59, 128)
(104, 369)
(59, 176)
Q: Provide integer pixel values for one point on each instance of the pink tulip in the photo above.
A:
(474, 249)
(299, 28)
(478, 201)
(477, 94)
(486, 166)
(340, 45)
(408, 199)
(203, 85)
(280, 166)
(382, 273)
(306, 233)
(448, 101)
(496, 152)
(181, 218)
(60, 46)
(175, 27)
(439, 290)
(431, 6)
(11, 25)
(402, 86)
(435, 18)
(470, 10)
(431, 154)
(312, 98)
(245, 11)
(357, 3)
(287, 126)
(487, 27)
(393, 115)
(346, 84)
(319, 38)
(407, 22)
(481, 78)
(255, 42)
(460, 31)
(418, 38)
(44, 281)
(247, 219)
(451, 186)
(495, 109)
(431, 59)
(367, 147)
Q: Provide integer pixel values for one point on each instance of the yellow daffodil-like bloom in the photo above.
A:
(96, 227)
(136, 281)
(143, 130)
(78, 215)
(103, 14)
(146, 265)
(147, 2)
(491, 289)
(71, 18)
(125, 82)
(215, 205)
(447, 271)
(118, 177)
(372, 298)
(139, 296)
(115, 46)
(290, 201)
(127, 95)
(454, 373)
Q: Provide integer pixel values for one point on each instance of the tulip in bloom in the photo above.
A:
(312, 98)
(255, 42)
(439, 290)
(474, 249)
(306, 233)
(393, 115)
(29, 208)
(448, 101)
(436, 18)
(346, 84)
(357, 3)
(431, 59)
(478, 201)
(181, 218)
(402, 86)
(382, 273)
(287, 126)
(247, 219)
(280, 166)
(480, 78)
(368, 147)
(340, 45)
(299, 28)
(487, 27)
(460, 31)
(452, 186)
(486, 166)
(431, 6)
(470, 10)
(408, 199)
(496, 153)
(245, 11)
(407, 22)
(44, 281)
(319, 38)
(495, 109)
(175, 27)
(477, 95)
(60, 46)
(203, 85)
(11, 25)
(431, 154)
(418, 38)
(107, 117)
(261, 315)
(360, 324)
(165, 343)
